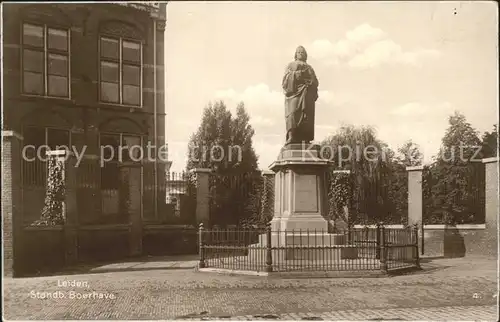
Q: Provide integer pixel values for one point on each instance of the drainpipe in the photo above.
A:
(155, 123)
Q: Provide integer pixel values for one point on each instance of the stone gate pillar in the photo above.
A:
(12, 204)
(70, 204)
(268, 198)
(491, 205)
(415, 201)
(202, 195)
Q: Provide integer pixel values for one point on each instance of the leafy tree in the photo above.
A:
(212, 139)
(460, 142)
(369, 159)
(451, 186)
(223, 143)
(242, 134)
(490, 143)
(409, 154)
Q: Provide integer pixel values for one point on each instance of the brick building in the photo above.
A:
(84, 75)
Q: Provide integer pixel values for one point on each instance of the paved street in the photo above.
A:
(446, 290)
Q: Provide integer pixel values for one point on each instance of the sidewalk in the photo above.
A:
(469, 263)
(140, 264)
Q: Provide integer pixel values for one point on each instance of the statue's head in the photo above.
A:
(301, 54)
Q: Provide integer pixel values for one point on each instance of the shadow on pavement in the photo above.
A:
(430, 259)
(126, 265)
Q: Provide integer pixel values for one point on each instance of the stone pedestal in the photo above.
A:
(300, 189)
(300, 202)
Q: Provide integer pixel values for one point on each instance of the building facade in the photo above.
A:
(90, 77)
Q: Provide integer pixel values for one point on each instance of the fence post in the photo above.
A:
(417, 258)
(201, 247)
(383, 251)
(202, 194)
(422, 237)
(377, 255)
(269, 253)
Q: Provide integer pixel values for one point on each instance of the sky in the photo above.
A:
(401, 67)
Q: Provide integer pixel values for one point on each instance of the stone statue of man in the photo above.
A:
(301, 92)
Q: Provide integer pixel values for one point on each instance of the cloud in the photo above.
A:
(366, 47)
(267, 152)
(255, 94)
(423, 122)
(264, 105)
(266, 109)
(260, 120)
(386, 52)
(413, 109)
(324, 127)
(347, 46)
(326, 96)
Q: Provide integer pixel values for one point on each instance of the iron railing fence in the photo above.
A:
(267, 250)
(103, 193)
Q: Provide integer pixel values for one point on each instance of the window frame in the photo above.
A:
(46, 52)
(46, 143)
(116, 161)
(46, 131)
(121, 62)
(121, 135)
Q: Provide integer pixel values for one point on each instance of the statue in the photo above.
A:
(300, 86)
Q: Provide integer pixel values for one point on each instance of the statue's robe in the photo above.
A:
(301, 92)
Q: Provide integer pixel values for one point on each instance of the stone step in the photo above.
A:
(258, 252)
(289, 239)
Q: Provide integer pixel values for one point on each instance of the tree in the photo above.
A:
(460, 142)
(209, 144)
(223, 143)
(490, 143)
(242, 135)
(368, 158)
(409, 154)
(451, 188)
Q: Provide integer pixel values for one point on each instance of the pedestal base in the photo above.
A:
(309, 223)
(303, 246)
(300, 189)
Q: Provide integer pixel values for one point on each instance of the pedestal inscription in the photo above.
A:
(306, 193)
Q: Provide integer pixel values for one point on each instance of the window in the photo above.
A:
(110, 144)
(120, 71)
(34, 164)
(51, 137)
(45, 58)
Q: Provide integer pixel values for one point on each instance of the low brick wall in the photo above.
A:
(103, 242)
(44, 247)
(43, 250)
(459, 241)
(169, 240)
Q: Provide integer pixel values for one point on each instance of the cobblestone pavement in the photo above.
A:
(453, 313)
(448, 292)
